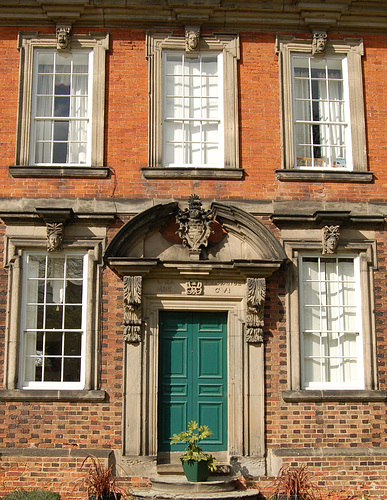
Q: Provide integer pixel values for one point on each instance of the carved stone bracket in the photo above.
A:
(132, 308)
(256, 294)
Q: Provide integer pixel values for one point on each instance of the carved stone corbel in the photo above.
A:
(330, 239)
(192, 40)
(256, 294)
(132, 308)
(54, 236)
(319, 42)
(63, 36)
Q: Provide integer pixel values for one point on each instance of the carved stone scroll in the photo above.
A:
(256, 294)
(194, 226)
(132, 308)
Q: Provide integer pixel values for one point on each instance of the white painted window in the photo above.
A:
(192, 110)
(321, 112)
(61, 107)
(53, 321)
(331, 325)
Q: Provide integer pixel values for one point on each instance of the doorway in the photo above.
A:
(192, 376)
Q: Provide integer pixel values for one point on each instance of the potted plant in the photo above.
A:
(197, 465)
(99, 480)
(295, 484)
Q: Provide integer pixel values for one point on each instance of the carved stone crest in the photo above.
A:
(192, 39)
(256, 294)
(63, 36)
(319, 42)
(330, 239)
(54, 236)
(194, 288)
(194, 226)
(132, 308)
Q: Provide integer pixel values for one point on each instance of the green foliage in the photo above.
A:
(193, 451)
(32, 495)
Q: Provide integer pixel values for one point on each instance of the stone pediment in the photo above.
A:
(234, 239)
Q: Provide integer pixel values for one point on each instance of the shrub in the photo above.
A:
(32, 495)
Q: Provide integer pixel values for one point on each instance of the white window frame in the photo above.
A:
(25, 384)
(355, 384)
(347, 124)
(219, 120)
(228, 46)
(28, 42)
(54, 119)
(308, 242)
(350, 48)
(20, 238)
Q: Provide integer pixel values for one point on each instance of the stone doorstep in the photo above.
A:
(224, 495)
(179, 488)
(172, 484)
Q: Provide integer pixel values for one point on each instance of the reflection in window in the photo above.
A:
(53, 330)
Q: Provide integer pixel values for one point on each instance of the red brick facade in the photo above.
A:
(42, 442)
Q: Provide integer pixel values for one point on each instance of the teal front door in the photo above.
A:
(193, 376)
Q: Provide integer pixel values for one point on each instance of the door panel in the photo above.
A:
(193, 376)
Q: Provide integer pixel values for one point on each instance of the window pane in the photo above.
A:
(60, 152)
(62, 106)
(63, 63)
(72, 345)
(80, 62)
(73, 317)
(61, 131)
(45, 62)
(44, 84)
(44, 106)
(74, 292)
(43, 152)
(72, 370)
(54, 317)
(52, 369)
(62, 85)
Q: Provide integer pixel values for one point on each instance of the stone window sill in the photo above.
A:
(323, 176)
(333, 395)
(193, 173)
(32, 171)
(51, 395)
